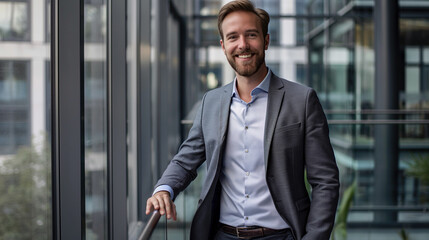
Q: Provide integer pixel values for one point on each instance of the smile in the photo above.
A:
(244, 56)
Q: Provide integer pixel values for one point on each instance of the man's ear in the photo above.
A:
(223, 47)
(267, 41)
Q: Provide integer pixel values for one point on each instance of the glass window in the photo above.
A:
(412, 55)
(14, 20)
(209, 31)
(412, 80)
(210, 7)
(426, 55)
(25, 149)
(95, 104)
(210, 76)
(95, 21)
(301, 73)
(273, 8)
(14, 105)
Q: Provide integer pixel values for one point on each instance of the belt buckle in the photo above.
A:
(237, 231)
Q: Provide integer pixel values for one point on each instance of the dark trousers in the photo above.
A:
(280, 236)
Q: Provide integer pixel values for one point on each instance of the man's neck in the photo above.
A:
(245, 85)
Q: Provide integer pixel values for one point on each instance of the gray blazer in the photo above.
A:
(296, 137)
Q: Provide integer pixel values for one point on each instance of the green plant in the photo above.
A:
(418, 167)
(340, 227)
(403, 234)
(307, 184)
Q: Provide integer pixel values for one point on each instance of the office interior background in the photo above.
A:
(97, 95)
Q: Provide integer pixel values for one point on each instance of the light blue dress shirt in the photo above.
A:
(245, 197)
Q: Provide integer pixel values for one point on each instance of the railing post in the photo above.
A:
(386, 97)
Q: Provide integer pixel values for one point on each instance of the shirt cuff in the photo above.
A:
(164, 188)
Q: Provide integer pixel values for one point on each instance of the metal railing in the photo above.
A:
(150, 226)
(374, 112)
(366, 121)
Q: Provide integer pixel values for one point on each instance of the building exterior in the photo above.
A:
(96, 97)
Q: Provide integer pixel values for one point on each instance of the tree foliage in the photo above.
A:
(25, 202)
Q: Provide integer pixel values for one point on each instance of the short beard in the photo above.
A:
(247, 70)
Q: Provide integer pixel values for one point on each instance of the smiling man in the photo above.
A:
(257, 135)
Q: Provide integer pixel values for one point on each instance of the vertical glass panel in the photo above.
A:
(25, 148)
(95, 94)
(134, 225)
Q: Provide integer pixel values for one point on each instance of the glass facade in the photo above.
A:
(138, 70)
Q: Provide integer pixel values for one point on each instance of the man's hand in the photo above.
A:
(161, 201)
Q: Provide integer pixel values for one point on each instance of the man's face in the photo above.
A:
(243, 42)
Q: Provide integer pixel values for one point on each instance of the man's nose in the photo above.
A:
(243, 44)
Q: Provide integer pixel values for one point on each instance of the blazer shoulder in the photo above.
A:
(219, 91)
(291, 86)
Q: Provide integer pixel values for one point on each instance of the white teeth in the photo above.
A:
(244, 56)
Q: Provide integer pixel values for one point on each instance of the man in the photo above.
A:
(258, 135)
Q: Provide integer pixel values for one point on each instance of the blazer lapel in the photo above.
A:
(275, 99)
(224, 110)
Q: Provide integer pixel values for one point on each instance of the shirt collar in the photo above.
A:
(263, 86)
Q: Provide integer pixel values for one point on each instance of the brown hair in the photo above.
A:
(243, 5)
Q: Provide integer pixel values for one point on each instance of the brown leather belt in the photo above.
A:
(250, 232)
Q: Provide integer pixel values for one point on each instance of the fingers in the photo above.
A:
(149, 206)
(174, 212)
(170, 207)
(161, 201)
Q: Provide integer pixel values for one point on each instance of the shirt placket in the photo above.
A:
(245, 159)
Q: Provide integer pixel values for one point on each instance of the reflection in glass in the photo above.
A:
(95, 88)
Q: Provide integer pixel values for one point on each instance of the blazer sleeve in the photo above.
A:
(322, 171)
(182, 169)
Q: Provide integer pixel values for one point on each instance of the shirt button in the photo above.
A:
(246, 127)
(246, 150)
(247, 196)
(247, 173)
(246, 218)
